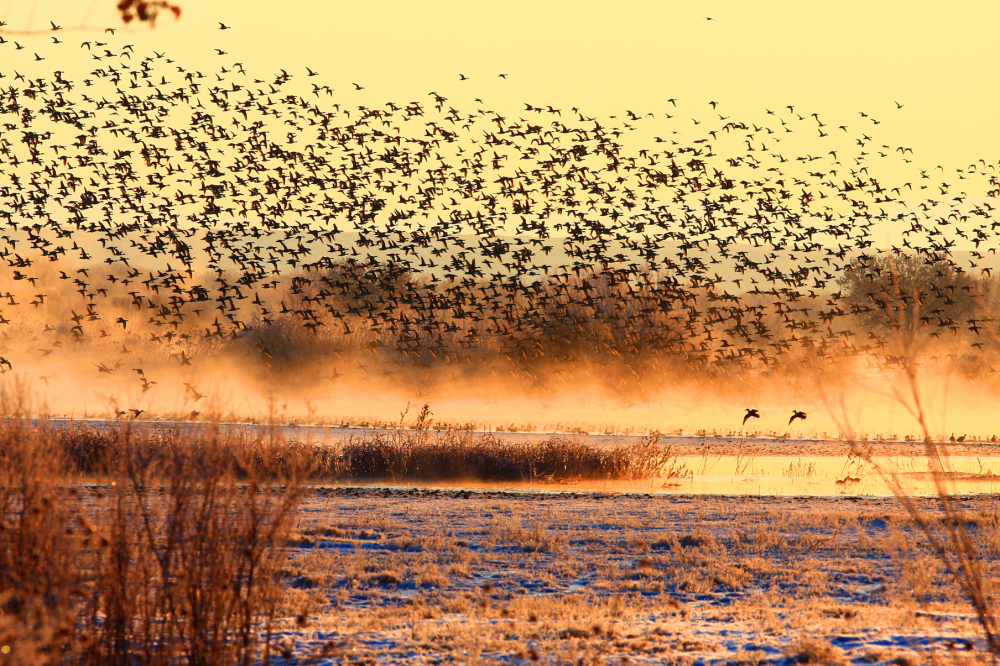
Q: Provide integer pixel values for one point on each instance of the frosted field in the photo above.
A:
(759, 551)
(433, 576)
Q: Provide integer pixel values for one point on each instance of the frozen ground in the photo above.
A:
(434, 576)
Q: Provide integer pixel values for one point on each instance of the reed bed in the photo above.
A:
(397, 455)
(455, 455)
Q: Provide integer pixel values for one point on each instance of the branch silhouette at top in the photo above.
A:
(131, 11)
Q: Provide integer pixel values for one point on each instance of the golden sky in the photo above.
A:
(940, 60)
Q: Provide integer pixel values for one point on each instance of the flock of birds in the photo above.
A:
(149, 203)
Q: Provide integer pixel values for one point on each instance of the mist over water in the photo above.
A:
(570, 400)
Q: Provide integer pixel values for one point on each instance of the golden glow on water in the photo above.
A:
(788, 476)
(815, 475)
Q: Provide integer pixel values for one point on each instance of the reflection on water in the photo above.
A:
(824, 476)
(813, 476)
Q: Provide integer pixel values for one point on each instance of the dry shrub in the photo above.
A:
(173, 559)
(958, 539)
(41, 585)
(955, 536)
(809, 650)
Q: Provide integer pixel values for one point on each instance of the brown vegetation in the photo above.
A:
(173, 557)
(500, 575)
(396, 454)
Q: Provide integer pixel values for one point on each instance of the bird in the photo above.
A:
(797, 415)
(751, 414)
(223, 26)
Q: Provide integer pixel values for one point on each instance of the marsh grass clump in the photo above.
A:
(419, 454)
(456, 455)
(169, 554)
(422, 454)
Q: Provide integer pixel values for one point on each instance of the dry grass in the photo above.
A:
(959, 535)
(142, 544)
(173, 558)
(809, 650)
(648, 578)
(455, 456)
(418, 454)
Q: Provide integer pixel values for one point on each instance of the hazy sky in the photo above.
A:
(940, 60)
